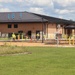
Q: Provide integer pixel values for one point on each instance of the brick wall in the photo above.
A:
(33, 27)
(24, 27)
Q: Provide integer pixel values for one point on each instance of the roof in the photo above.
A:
(70, 27)
(19, 17)
(30, 17)
(56, 20)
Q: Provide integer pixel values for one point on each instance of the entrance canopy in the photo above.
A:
(70, 27)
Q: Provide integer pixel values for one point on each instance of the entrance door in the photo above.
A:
(29, 34)
(69, 32)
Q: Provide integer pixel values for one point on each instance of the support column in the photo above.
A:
(63, 30)
(72, 31)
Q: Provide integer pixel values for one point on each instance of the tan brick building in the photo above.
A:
(29, 24)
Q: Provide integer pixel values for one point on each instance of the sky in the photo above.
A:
(64, 9)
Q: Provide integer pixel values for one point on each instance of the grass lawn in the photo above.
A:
(4, 39)
(41, 61)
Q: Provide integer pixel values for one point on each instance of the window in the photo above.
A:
(20, 15)
(15, 25)
(8, 16)
(13, 16)
(9, 26)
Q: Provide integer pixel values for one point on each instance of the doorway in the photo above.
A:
(29, 33)
(20, 33)
(69, 32)
(38, 32)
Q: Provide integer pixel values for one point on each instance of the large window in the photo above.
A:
(9, 26)
(15, 25)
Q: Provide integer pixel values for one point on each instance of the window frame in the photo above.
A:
(15, 25)
(9, 25)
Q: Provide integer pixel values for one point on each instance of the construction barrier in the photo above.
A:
(71, 40)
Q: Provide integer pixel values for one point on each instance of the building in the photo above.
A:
(31, 24)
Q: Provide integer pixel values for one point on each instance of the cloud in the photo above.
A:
(4, 10)
(1, 5)
(42, 2)
(11, 1)
(31, 2)
(50, 7)
(60, 17)
(37, 10)
(65, 4)
(20, 0)
(64, 11)
(65, 8)
(6, 1)
(61, 11)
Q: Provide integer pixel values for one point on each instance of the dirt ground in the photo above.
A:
(33, 44)
(23, 44)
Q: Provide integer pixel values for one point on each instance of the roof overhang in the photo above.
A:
(70, 27)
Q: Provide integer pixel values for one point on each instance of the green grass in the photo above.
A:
(4, 39)
(7, 49)
(42, 61)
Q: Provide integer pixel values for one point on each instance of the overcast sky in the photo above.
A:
(57, 8)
